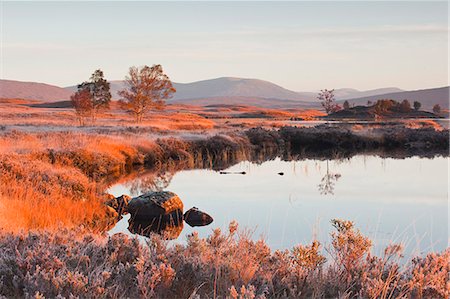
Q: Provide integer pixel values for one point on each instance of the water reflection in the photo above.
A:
(168, 225)
(151, 181)
(289, 209)
(328, 182)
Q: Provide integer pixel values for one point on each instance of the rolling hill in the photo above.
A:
(350, 93)
(428, 97)
(248, 101)
(232, 89)
(235, 91)
(32, 90)
(225, 87)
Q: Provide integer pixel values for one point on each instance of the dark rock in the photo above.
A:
(281, 173)
(232, 172)
(154, 204)
(195, 217)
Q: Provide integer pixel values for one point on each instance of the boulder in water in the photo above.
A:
(154, 204)
(195, 217)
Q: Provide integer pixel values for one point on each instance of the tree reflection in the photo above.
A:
(328, 182)
(156, 181)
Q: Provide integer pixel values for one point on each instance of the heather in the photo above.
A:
(224, 265)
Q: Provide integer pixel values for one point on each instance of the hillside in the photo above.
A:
(231, 89)
(32, 90)
(225, 87)
(248, 101)
(371, 113)
(428, 97)
(234, 91)
(350, 93)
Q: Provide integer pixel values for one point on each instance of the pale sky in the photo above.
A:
(302, 46)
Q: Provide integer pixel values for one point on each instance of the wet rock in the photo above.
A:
(195, 217)
(169, 226)
(154, 204)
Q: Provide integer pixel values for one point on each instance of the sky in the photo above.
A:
(302, 46)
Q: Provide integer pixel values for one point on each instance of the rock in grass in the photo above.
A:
(153, 204)
(195, 217)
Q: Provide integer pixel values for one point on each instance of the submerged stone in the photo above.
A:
(195, 217)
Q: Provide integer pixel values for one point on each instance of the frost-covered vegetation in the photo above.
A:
(224, 265)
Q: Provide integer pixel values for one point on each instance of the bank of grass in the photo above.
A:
(224, 265)
(54, 180)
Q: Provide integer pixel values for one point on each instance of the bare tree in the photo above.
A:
(146, 88)
(328, 101)
(81, 101)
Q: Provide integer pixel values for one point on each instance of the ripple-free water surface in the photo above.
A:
(390, 200)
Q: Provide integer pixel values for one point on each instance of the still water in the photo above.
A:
(390, 200)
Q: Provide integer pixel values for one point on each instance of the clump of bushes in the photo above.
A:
(223, 265)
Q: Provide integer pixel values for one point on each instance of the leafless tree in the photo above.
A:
(328, 101)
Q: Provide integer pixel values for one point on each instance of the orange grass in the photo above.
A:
(54, 180)
(174, 117)
(37, 195)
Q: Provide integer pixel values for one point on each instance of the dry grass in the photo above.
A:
(52, 180)
(417, 124)
(29, 115)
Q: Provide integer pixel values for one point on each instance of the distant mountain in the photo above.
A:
(427, 97)
(236, 91)
(350, 93)
(234, 87)
(248, 101)
(226, 87)
(32, 90)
